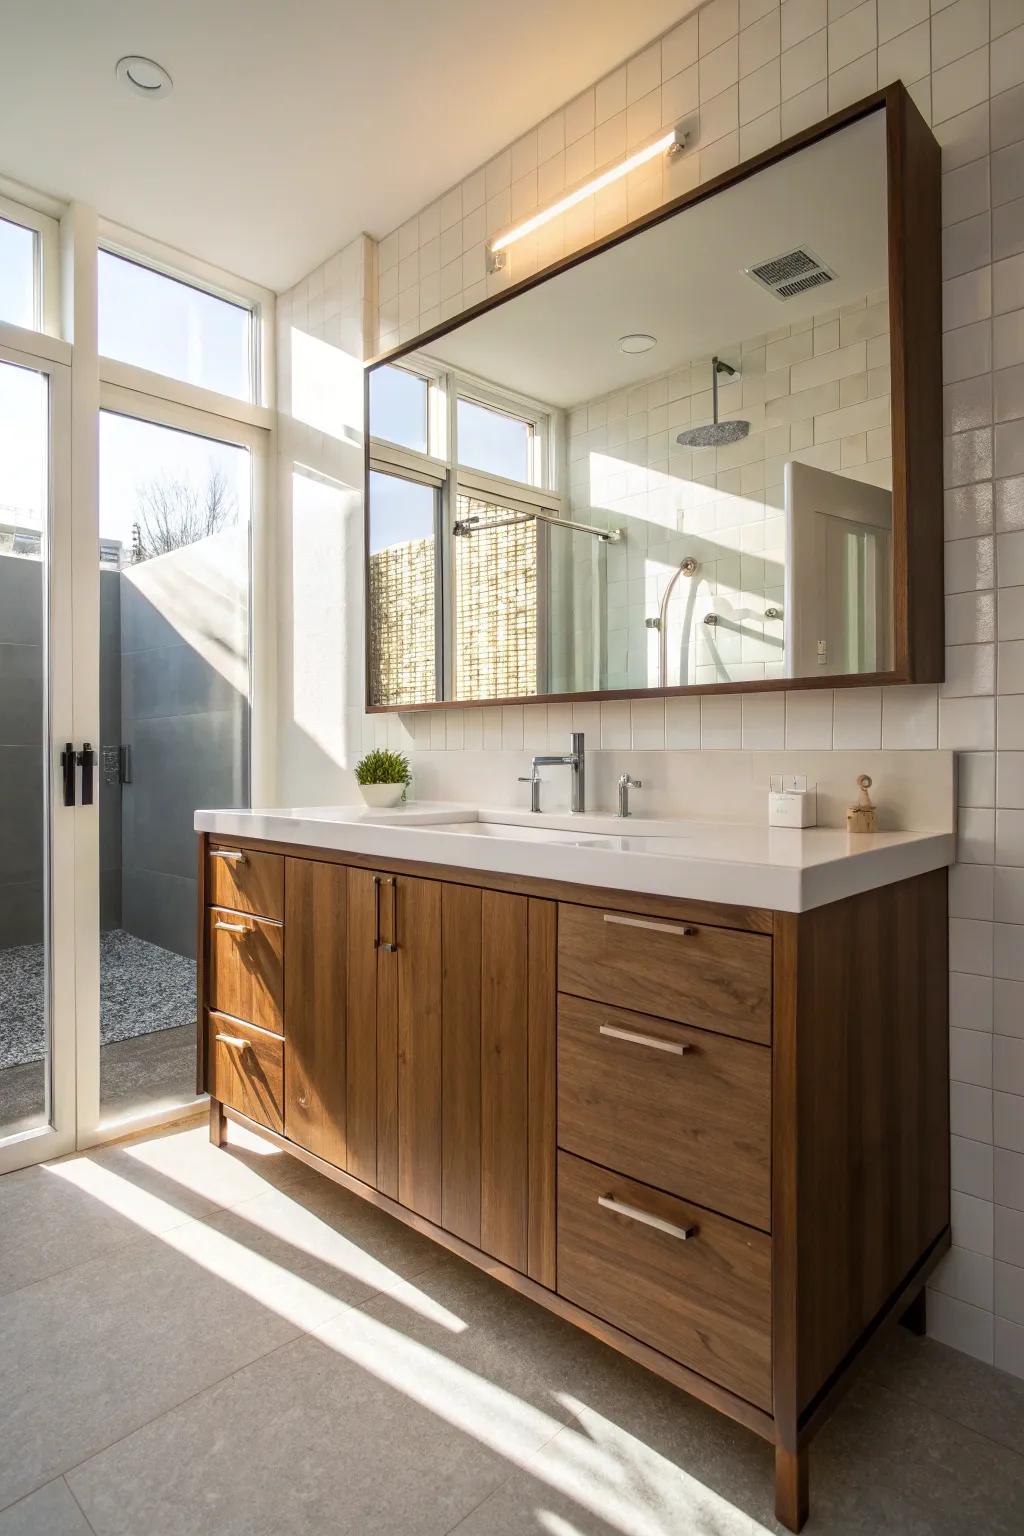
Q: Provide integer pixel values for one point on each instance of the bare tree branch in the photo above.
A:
(173, 512)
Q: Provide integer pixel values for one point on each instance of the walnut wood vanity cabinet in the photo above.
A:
(715, 1137)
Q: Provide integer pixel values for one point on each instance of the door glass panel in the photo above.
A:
(24, 969)
(174, 723)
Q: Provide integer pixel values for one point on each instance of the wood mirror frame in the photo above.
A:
(915, 330)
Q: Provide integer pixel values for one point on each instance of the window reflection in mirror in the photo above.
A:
(729, 486)
(398, 407)
(400, 590)
(492, 440)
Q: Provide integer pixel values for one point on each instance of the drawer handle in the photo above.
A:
(235, 854)
(672, 1046)
(634, 1213)
(378, 881)
(645, 922)
(232, 927)
(235, 1040)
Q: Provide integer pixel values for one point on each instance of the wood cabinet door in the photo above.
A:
(394, 1037)
(316, 916)
(498, 1053)
(417, 953)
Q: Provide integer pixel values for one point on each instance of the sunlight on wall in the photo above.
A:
(202, 593)
(326, 385)
(320, 512)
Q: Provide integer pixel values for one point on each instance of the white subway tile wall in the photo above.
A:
(757, 70)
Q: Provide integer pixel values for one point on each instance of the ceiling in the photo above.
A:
(683, 281)
(292, 126)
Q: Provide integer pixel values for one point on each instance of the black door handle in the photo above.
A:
(87, 761)
(68, 759)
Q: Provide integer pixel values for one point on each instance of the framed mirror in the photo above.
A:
(702, 454)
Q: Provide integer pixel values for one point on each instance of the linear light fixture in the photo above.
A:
(669, 143)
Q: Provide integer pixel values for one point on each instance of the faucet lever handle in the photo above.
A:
(534, 780)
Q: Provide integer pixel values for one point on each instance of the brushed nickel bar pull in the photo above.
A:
(633, 1213)
(233, 1040)
(672, 1046)
(232, 927)
(645, 922)
(228, 853)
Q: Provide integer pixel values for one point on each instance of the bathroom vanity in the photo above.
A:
(712, 1133)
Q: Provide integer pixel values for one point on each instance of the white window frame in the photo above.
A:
(93, 1130)
(260, 302)
(46, 265)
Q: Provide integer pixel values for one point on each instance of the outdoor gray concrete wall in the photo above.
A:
(185, 716)
(21, 751)
(173, 687)
(110, 736)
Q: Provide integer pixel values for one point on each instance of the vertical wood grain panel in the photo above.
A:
(314, 1007)
(364, 1009)
(361, 1054)
(460, 1062)
(418, 936)
(386, 971)
(541, 1090)
(872, 1159)
(504, 1106)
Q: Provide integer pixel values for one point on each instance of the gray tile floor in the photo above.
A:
(205, 1343)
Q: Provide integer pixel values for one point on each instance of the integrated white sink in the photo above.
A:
(520, 834)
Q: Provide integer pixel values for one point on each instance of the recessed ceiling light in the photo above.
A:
(144, 76)
(637, 341)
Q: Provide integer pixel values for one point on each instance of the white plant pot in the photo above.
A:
(381, 796)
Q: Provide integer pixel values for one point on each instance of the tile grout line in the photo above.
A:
(300, 1332)
(516, 1472)
(71, 1495)
(146, 1423)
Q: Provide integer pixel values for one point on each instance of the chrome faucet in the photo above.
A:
(626, 783)
(575, 760)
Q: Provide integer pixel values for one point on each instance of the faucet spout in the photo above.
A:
(575, 760)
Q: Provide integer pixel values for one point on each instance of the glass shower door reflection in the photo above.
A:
(174, 729)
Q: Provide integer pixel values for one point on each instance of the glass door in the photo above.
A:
(37, 856)
(173, 734)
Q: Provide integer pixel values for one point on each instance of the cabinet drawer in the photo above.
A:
(680, 1108)
(244, 975)
(244, 880)
(716, 978)
(245, 1068)
(704, 1301)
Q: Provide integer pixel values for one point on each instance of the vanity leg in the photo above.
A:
(218, 1123)
(915, 1318)
(791, 1487)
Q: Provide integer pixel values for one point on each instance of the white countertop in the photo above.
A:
(758, 866)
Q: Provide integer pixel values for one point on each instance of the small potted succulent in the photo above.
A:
(383, 777)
